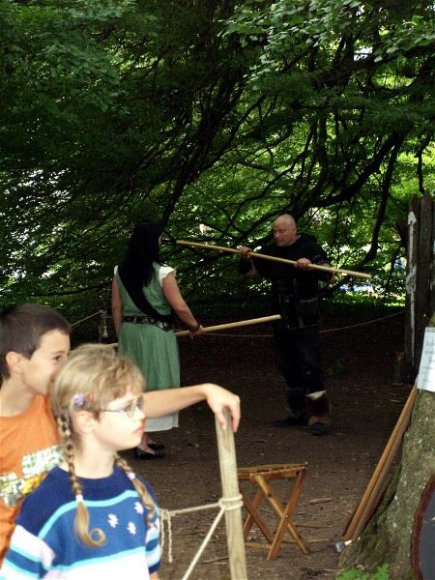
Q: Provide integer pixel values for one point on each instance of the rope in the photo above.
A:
(225, 504)
(87, 318)
(325, 331)
(366, 323)
(231, 335)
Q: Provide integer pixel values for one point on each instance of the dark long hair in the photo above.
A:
(136, 270)
(143, 250)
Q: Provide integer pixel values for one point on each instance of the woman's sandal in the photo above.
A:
(156, 446)
(141, 454)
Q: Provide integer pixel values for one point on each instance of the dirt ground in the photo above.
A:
(360, 364)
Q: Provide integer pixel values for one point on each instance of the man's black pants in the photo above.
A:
(299, 361)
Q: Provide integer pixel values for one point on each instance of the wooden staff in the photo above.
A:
(233, 324)
(275, 259)
(238, 324)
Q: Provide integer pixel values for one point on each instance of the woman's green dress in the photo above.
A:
(153, 350)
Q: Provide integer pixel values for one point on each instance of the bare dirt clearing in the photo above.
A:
(360, 367)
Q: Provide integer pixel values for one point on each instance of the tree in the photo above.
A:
(388, 537)
(214, 113)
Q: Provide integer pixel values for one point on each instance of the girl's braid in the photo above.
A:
(139, 487)
(92, 538)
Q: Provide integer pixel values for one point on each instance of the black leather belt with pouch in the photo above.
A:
(144, 319)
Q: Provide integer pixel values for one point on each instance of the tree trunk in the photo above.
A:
(388, 537)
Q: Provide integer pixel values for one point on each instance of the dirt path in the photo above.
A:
(360, 366)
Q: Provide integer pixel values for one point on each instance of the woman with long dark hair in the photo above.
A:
(145, 295)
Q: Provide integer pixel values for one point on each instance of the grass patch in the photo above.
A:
(357, 574)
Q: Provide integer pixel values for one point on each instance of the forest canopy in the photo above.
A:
(213, 117)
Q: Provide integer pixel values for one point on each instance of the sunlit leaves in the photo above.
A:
(220, 114)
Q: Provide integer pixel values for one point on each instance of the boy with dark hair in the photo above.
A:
(34, 343)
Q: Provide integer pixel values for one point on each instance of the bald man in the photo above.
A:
(297, 341)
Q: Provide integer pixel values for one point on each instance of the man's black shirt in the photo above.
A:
(294, 290)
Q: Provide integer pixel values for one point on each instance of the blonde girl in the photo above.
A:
(92, 516)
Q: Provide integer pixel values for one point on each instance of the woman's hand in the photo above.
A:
(195, 331)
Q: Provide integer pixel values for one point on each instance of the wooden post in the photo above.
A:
(411, 281)
(432, 269)
(102, 327)
(425, 254)
(230, 493)
(420, 280)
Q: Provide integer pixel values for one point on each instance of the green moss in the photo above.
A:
(381, 573)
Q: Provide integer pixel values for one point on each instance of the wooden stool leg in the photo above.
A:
(284, 514)
(251, 508)
(254, 516)
(286, 523)
(288, 512)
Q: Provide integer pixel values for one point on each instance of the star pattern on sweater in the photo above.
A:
(113, 520)
(138, 507)
(132, 528)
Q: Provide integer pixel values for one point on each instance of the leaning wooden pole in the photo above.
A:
(275, 259)
(377, 483)
(232, 499)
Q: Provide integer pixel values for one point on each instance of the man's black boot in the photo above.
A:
(293, 420)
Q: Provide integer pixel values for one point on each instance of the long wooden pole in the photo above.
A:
(225, 326)
(238, 324)
(275, 259)
(231, 495)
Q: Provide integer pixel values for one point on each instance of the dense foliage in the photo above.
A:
(213, 117)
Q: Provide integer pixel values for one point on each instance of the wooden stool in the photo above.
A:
(262, 475)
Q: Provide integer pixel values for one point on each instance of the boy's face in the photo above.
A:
(39, 371)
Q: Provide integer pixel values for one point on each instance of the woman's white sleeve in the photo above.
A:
(165, 271)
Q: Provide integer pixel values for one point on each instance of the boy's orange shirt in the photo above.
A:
(29, 448)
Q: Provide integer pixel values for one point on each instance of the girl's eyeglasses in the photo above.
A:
(129, 409)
